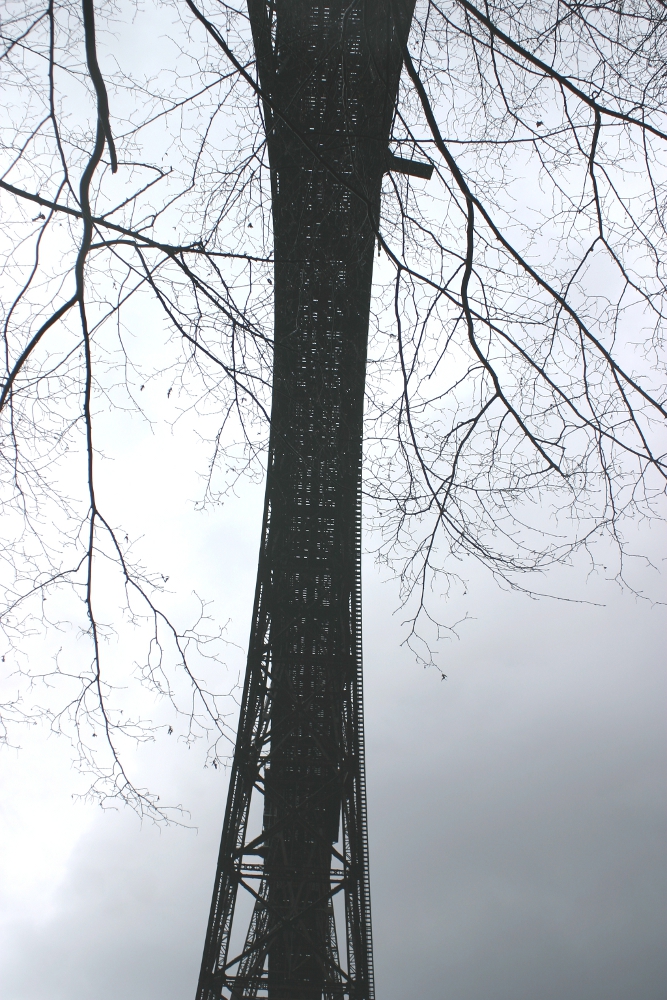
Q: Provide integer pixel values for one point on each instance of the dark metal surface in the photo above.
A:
(329, 75)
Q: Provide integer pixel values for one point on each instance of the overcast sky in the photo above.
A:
(517, 810)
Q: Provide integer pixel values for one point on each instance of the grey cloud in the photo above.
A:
(517, 825)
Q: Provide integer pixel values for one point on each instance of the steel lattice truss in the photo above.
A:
(329, 77)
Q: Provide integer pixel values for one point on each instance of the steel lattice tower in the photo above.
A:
(329, 75)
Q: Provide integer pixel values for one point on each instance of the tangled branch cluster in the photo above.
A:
(516, 391)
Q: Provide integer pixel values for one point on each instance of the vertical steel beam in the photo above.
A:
(329, 76)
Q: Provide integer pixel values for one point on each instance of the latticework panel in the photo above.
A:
(329, 74)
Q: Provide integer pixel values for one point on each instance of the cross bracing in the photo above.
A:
(329, 77)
